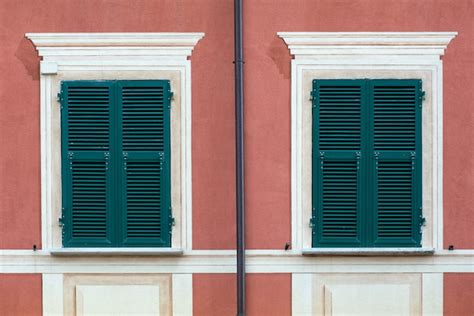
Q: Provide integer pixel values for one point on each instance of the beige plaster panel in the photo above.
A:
(174, 77)
(147, 294)
(367, 294)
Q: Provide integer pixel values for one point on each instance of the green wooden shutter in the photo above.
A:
(116, 163)
(145, 170)
(86, 114)
(337, 145)
(396, 162)
(366, 163)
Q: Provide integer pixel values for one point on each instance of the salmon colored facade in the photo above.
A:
(273, 275)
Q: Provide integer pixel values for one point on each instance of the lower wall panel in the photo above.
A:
(80, 294)
(266, 294)
(20, 294)
(458, 294)
(409, 294)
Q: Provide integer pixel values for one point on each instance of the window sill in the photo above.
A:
(165, 252)
(368, 252)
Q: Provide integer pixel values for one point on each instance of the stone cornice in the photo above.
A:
(51, 45)
(367, 43)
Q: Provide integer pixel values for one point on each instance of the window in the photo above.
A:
(366, 163)
(368, 57)
(112, 57)
(116, 163)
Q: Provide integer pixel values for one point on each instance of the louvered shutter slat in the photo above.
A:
(145, 120)
(366, 163)
(337, 138)
(397, 162)
(86, 125)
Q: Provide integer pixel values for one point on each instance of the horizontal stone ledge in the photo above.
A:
(368, 251)
(170, 252)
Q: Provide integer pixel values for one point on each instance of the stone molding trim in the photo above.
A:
(114, 56)
(371, 55)
(170, 45)
(367, 43)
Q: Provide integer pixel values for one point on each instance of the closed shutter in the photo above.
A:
(145, 154)
(86, 114)
(337, 144)
(366, 163)
(396, 108)
(116, 163)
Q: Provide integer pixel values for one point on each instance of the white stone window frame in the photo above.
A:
(114, 56)
(353, 55)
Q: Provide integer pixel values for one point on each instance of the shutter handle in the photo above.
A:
(125, 157)
(107, 157)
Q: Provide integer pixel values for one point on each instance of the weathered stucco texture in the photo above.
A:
(458, 294)
(214, 294)
(20, 294)
(212, 97)
(267, 103)
(267, 294)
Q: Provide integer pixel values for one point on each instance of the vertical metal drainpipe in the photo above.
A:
(239, 149)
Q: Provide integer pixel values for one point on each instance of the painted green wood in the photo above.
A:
(395, 106)
(366, 163)
(87, 179)
(145, 153)
(97, 189)
(337, 169)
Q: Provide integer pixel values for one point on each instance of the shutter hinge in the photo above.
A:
(422, 221)
(61, 219)
(172, 221)
(422, 98)
(170, 98)
(60, 98)
(312, 98)
(312, 222)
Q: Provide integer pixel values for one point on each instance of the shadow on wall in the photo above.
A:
(280, 55)
(26, 53)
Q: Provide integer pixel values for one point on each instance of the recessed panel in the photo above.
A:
(117, 300)
(117, 294)
(366, 294)
(367, 300)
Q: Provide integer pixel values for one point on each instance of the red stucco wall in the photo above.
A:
(212, 96)
(267, 294)
(268, 101)
(458, 294)
(267, 98)
(214, 294)
(20, 294)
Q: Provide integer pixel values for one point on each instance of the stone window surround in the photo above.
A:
(101, 56)
(355, 55)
